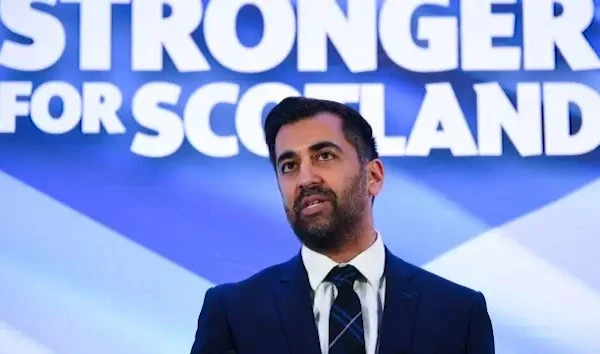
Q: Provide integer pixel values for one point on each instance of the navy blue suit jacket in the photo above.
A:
(271, 312)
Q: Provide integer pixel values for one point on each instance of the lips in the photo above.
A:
(312, 200)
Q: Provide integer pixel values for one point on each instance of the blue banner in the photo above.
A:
(133, 169)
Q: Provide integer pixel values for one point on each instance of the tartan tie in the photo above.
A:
(346, 333)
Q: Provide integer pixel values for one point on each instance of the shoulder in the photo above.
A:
(445, 299)
(255, 284)
(433, 282)
(442, 302)
(437, 289)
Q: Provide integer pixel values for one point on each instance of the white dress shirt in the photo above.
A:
(370, 264)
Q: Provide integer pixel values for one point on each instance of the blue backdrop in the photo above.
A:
(117, 212)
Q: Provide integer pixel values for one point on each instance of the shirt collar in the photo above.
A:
(370, 263)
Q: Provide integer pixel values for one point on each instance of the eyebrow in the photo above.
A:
(288, 154)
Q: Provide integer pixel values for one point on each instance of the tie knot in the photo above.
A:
(342, 276)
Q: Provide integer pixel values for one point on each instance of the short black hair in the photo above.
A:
(356, 129)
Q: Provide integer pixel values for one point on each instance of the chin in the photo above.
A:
(318, 224)
(320, 237)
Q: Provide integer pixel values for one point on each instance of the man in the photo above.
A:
(344, 292)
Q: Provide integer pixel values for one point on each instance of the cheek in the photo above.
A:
(287, 194)
(288, 206)
(288, 202)
(338, 184)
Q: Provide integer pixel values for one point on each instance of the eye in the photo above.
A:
(325, 155)
(286, 167)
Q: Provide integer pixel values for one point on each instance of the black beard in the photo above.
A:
(329, 232)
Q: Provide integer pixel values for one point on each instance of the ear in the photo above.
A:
(375, 176)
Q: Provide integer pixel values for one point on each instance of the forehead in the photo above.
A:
(302, 134)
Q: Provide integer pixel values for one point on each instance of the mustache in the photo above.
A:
(310, 191)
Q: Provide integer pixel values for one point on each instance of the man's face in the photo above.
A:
(323, 185)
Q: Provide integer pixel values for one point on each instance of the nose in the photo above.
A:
(308, 176)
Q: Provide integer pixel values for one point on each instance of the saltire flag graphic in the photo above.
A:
(121, 202)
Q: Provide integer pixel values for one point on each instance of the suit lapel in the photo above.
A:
(401, 300)
(295, 307)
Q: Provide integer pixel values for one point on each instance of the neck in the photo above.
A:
(354, 245)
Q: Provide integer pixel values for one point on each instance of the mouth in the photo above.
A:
(313, 205)
(312, 202)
